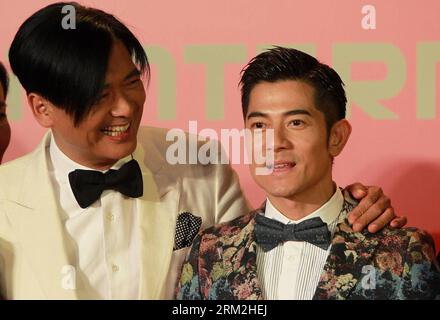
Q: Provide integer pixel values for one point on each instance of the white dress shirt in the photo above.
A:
(292, 269)
(105, 234)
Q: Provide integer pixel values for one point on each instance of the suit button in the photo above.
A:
(115, 268)
(110, 216)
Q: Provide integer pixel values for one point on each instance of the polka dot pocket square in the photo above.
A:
(187, 227)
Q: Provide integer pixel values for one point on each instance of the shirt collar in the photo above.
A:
(328, 212)
(63, 165)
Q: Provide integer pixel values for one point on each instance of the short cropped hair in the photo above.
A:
(4, 79)
(68, 66)
(278, 64)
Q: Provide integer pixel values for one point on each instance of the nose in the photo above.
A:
(281, 141)
(122, 107)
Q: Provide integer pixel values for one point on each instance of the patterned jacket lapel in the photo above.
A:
(350, 252)
(241, 267)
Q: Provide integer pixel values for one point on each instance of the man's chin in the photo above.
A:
(279, 192)
(120, 152)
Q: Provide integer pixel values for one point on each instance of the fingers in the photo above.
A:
(357, 190)
(382, 221)
(374, 210)
(370, 199)
(379, 212)
(398, 222)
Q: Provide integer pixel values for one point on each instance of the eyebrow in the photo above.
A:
(287, 113)
(133, 73)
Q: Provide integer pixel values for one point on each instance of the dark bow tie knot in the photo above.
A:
(289, 232)
(88, 185)
(111, 179)
(269, 233)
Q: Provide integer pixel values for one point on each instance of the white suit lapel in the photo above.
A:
(156, 210)
(35, 217)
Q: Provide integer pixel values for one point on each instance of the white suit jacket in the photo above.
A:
(36, 254)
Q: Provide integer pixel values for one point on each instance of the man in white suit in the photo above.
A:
(96, 211)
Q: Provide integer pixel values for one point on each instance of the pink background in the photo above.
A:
(401, 155)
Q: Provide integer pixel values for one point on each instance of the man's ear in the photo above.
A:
(41, 109)
(339, 134)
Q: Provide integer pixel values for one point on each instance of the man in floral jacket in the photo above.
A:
(299, 244)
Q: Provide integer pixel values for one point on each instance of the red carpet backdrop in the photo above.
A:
(387, 51)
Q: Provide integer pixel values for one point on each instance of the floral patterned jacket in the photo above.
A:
(391, 264)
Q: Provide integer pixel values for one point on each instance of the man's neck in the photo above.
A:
(92, 165)
(301, 205)
(81, 161)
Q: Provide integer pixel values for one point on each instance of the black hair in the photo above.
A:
(280, 63)
(68, 66)
(4, 79)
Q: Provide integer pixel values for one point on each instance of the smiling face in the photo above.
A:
(108, 132)
(303, 157)
(5, 130)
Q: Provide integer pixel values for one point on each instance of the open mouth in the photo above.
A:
(284, 165)
(280, 166)
(115, 131)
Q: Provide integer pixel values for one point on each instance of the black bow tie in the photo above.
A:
(88, 185)
(269, 233)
